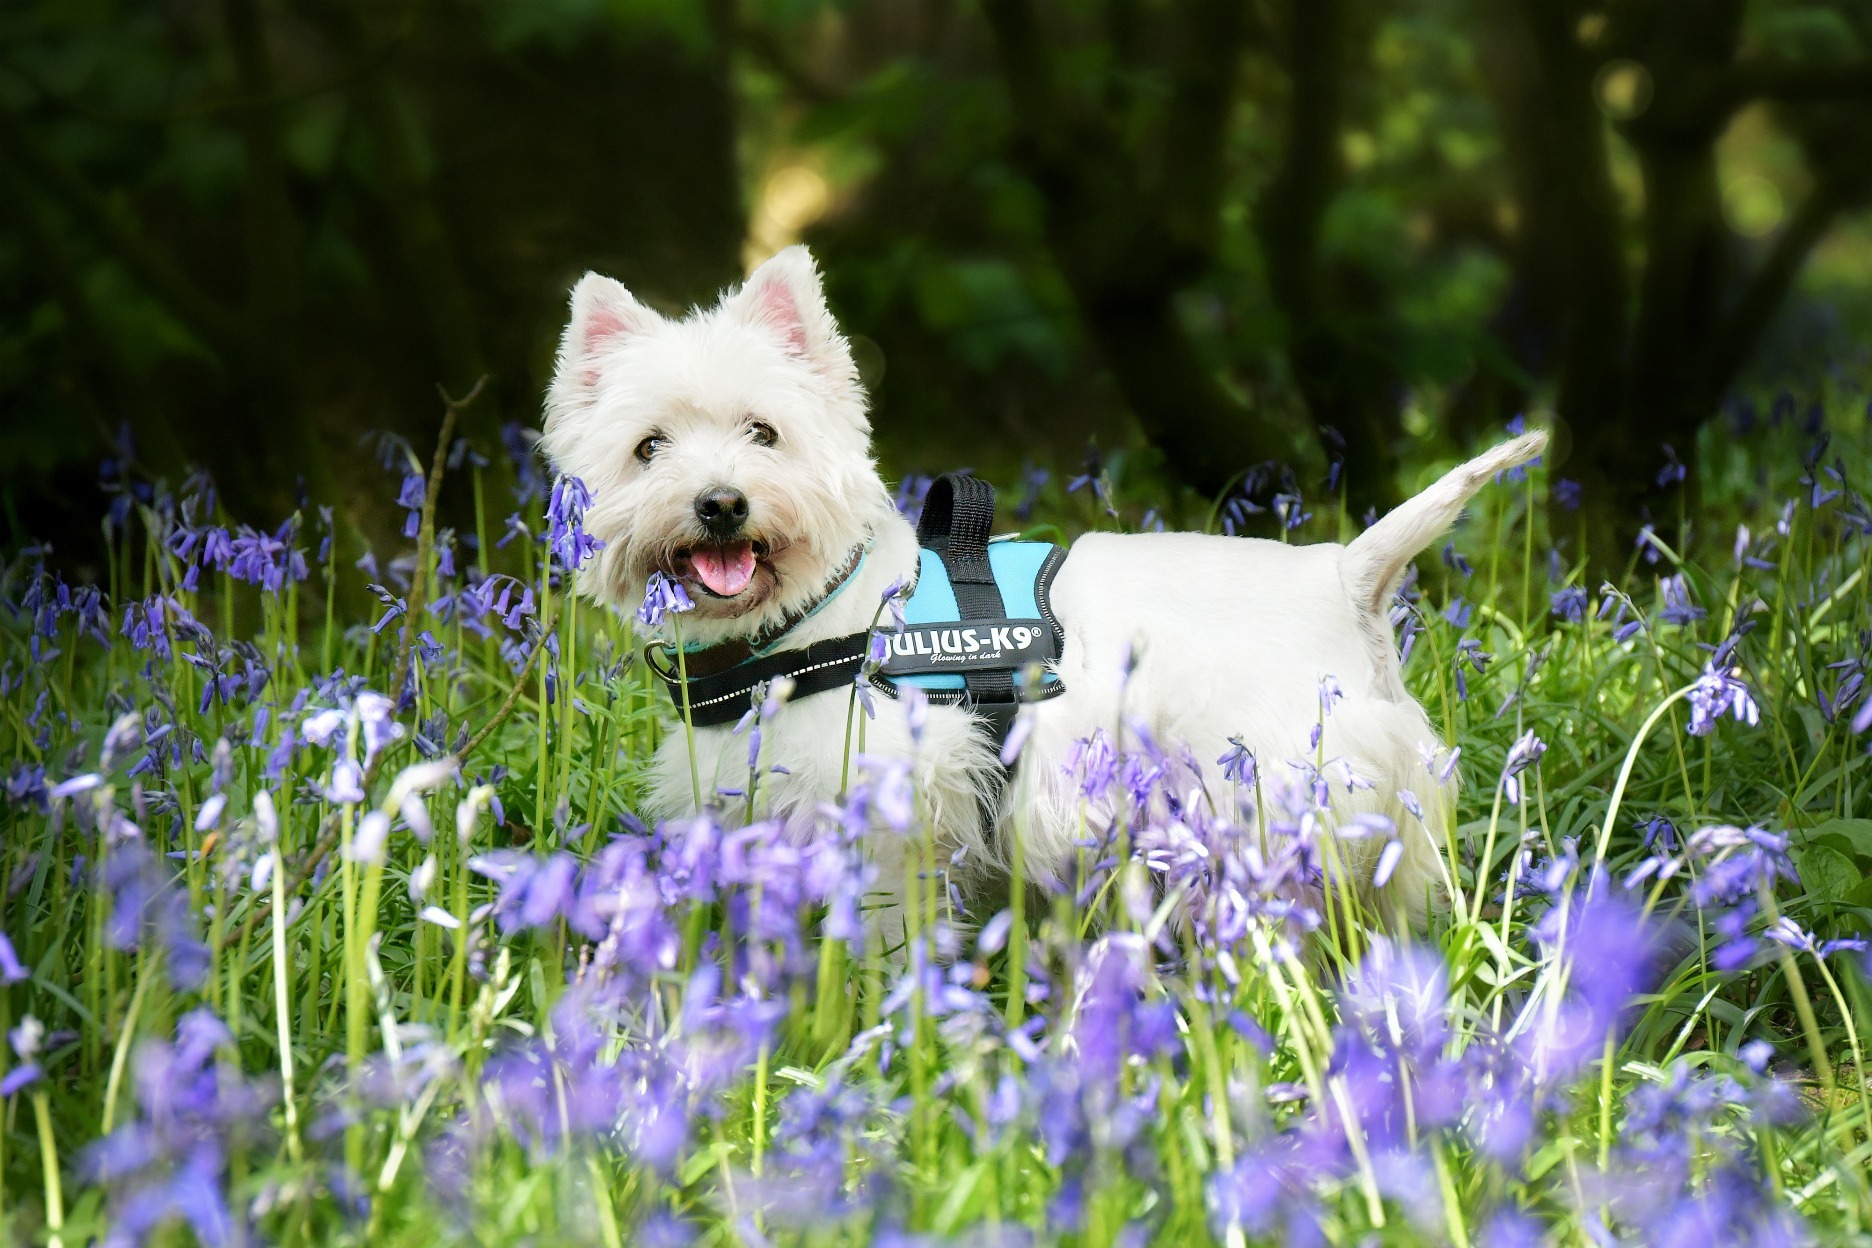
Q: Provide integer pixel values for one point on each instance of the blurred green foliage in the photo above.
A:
(253, 231)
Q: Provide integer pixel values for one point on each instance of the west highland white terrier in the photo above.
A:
(730, 451)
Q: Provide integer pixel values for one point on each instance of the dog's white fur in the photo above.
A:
(1227, 637)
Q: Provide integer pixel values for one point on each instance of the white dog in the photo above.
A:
(730, 450)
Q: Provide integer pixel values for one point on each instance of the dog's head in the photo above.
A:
(728, 450)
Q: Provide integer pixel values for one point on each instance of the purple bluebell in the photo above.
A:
(910, 494)
(12, 971)
(1238, 765)
(1678, 608)
(1786, 932)
(514, 527)
(410, 497)
(1647, 543)
(1523, 754)
(1720, 692)
(170, 1163)
(662, 597)
(267, 560)
(1093, 760)
(395, 607)
(26, 787)
(565, 517)
(1612, 951)
(1469, 650)
(1673, 472)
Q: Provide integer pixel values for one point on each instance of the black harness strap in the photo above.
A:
(722, 698)
(958, 518)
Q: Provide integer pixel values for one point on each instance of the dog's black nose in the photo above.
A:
(722, 510)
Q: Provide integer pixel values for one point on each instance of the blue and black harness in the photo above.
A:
(979, 631)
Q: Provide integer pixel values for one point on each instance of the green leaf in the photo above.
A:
(1857, 832)
(1828, 874)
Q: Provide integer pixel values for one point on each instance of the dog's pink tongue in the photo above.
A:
(724, 569)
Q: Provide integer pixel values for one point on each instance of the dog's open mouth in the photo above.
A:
(721, 570)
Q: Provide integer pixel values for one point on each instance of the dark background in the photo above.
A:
(253, 232)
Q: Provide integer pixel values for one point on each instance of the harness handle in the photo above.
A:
(958, 516)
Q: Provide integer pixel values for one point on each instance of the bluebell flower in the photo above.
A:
(1673, 470)
(1290, 509)
(662, 597)
(1678, 609)
(910, 494)
(1525, 752)
(1647, 543)
(267, 560)
(1469, 650)
(1786, 932)
(1569, 603)
(1094, 761)
(1238, 764)
(411, 497)
(146, 909)
(170, 1163)
(1720, 692)
(895, 595)
(396, 607)
(12, 971)
(514, 612)
(514, 527)
(565, 516)
(1662, 833)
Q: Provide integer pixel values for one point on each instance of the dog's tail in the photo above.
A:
(1376, 559)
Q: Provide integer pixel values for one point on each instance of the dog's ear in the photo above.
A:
(604, 315)
(784, 298)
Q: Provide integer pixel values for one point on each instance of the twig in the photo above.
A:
(506, 707)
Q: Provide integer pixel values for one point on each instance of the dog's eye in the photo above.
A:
(647, 449)
(762, 433)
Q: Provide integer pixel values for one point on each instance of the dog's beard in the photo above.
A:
(729, 578)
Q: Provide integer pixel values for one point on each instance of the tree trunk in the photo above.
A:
(1126, 252)
(1346, 385)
